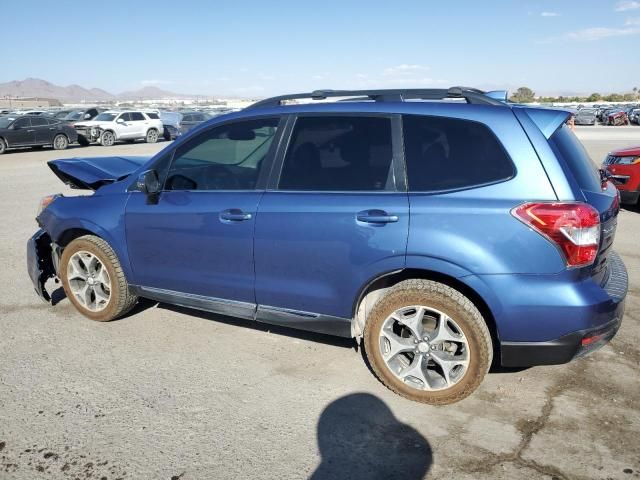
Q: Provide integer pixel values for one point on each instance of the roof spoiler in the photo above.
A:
(501, 95)
(546, 119)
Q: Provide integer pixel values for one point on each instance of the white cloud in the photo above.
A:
(598, 33)
(405, 69)
(632, 21)
(549, 14)
(627, 5)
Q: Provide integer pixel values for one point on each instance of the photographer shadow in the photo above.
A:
(360, 438)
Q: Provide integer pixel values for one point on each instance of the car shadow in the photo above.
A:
(359, 437)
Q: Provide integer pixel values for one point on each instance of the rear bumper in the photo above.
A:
(40, 262)
(580, 342)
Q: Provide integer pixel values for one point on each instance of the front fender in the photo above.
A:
(101, 215)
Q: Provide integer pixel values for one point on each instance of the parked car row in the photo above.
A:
(607, 115)
(93, 125)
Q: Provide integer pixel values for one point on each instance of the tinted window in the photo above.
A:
(338, 153)
(567, 147)
(22, 123)
(187, 118)
(225, 158)
(198, 117)
(53, 121)
(39, 122)
(125, 117)
(447, 153)
(154, 116)
(136, 116)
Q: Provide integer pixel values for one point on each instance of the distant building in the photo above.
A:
(28, 102)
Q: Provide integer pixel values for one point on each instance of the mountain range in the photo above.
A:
(35, 87)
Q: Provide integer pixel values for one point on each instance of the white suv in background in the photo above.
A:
(129, 125)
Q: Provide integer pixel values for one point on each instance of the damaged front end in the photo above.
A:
(42, 256)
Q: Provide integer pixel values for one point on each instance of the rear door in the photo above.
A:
(44, 131)
(140, 124)
(335, 216)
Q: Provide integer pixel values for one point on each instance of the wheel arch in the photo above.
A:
(377, 286)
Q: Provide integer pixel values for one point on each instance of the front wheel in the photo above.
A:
(60, 142)
(93, 279)
(428, 342)
(108, 139)
(152, 136)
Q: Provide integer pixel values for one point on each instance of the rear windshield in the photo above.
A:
(568, 148)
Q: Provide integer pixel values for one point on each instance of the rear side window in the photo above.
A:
(338, 153)
(448, 153)
(136, 116)
(39, 122)
(568, 148)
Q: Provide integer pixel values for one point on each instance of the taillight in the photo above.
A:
(573, 227)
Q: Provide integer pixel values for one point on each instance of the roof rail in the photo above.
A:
(471, 95)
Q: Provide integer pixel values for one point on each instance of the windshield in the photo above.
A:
(75, 115)
(6, 121)
(105, 117)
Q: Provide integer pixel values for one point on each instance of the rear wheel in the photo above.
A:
(3, 146)
(60, 142)
(107, 139)
(93, 279)
(428, 342)
(152, 136)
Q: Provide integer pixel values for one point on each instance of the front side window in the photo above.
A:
(105, 117)
(125, 117)
(22, 123)
(449, 153)
(229, 157)
(338, 153)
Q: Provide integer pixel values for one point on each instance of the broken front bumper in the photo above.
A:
(40, 262)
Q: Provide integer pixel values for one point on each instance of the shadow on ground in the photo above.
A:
(360, 438)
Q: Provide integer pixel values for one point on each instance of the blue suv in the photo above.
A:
(445, 229)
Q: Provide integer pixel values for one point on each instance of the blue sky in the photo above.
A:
(251, 48)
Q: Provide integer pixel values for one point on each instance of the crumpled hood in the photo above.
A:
(94, 172)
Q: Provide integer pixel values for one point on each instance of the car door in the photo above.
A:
(22, 133)
(44, 131)
(186, 123)
(196, 240)
(140, 124)
(337, 217)
(125, 127)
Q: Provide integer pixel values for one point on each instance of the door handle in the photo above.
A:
(30, 131)
(376, 216)
(234, 215)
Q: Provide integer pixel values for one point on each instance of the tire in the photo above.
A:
(60, 142)
(3, 146)
(107, 139)
(88, 295)
(462, 341)
(152, 136)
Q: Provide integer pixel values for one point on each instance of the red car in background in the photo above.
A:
(623, 167)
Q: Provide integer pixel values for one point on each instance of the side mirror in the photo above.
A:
(87, 116)
(120, 120)
(148, 182)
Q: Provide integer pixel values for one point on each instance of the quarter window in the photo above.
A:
(448, 153)
(229, 157)
(338, 153)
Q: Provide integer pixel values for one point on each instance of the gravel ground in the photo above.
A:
(168, 393)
